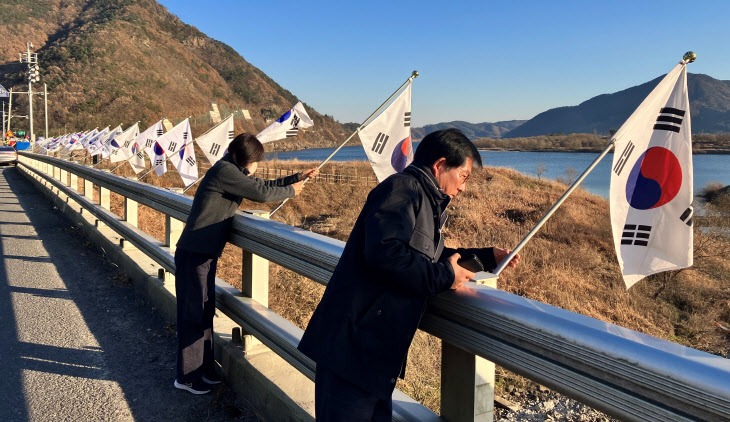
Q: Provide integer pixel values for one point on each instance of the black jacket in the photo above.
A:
(392, 263)
(217, 199)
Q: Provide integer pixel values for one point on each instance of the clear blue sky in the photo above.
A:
(479, 60)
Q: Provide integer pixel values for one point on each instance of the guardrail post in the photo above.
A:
(105, 199)
(130, 211)
(74, 182)
(173, 230)
(255, 284)
(89, 190)
(467, 381)
(64, 177)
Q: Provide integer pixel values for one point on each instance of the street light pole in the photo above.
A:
(45, 102)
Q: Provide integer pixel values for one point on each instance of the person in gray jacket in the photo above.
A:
(201, 244)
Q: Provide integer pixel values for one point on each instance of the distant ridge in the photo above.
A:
(709, 106)
(471, 130)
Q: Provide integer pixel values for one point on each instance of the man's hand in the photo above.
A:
(501, 254)
(313, 172)
(298, 186)
(461, 275)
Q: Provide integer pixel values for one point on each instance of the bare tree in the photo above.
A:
(540, 170)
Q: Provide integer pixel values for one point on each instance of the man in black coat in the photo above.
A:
(394, 260)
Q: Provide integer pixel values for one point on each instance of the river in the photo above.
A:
(708, 168)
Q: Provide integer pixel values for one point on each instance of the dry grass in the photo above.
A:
(570, 263)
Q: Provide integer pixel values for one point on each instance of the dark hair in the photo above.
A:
(246, 149)
(447, 143)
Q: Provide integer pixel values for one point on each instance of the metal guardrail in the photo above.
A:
(630, 375)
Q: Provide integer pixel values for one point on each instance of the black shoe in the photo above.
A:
(198, 387)
(212, 378)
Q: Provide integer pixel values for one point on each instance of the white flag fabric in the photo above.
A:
(215, 143)
(287, 125)
(175, 139)
(106, 147)
(174, 142)
(185, 163)
(387, 139)
(651, 183)
(121, 145)
(81, 142)
(145, 140)
(158, 159)
(92, 140)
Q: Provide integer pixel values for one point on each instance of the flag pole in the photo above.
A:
(413, 76)
(688, 57)
(191, 185)
(552, 210)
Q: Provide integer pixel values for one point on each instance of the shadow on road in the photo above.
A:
(136, 346)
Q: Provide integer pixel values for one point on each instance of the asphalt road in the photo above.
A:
(77, 342)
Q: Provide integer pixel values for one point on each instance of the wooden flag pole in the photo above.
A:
(413, 76)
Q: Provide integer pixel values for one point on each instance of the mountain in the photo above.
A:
(709, 100)
(112, 61)
(471, 130)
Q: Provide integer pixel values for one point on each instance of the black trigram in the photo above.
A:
(635, 235)
(149, 143)
(230, 135)
(172, 147)
(687, 215)
(291, 132)
(380, 142)
(159, 161)
(140, 156)
(295, 121)
(624, 158)
(407, 119)
(185, 136)
(669, 119)
(214, 149)
(126, 144)
(159, 132)
(190, 161)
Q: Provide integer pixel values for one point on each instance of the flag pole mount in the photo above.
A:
(689, 57)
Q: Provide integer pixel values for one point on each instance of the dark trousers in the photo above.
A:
(195, 289)
(337, 400)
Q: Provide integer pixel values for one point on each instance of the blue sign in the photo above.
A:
(3, 92)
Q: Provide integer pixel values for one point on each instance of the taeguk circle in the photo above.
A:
(399, 159)
(654, 180)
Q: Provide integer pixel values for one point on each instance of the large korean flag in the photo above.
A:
(387, 139)
(651, 183)
(287, 125)
(215, 142)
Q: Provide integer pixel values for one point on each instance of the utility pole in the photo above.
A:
(33, 76)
